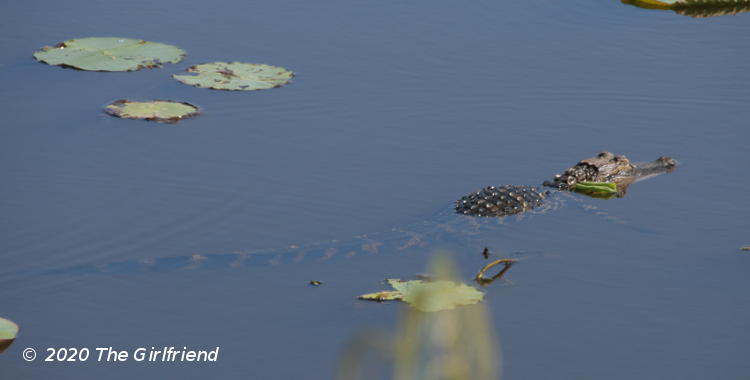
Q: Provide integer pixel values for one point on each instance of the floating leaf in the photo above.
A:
(315, 283)
(429, 296)
(596, 189)
(109, 54)
(237, 76)
(745, 248)
(164, 111)
(8, 332)
(386, 295)
(695, 8)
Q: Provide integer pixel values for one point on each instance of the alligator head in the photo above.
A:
(607, 167)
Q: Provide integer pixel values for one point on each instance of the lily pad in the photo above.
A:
(236, 76)
(8, 332)
(109, 54)
(596, 189)
(164, 111)
(429, 296)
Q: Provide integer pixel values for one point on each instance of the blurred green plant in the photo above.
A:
(455, 344)
(428, 296)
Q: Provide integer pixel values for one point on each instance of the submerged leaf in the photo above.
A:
(429, 296)
(109, 54)
(237, 76)
(8, 332)
(164, 111)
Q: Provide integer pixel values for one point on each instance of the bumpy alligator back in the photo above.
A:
(500, 201)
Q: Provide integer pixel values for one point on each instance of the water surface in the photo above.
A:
(396, 111)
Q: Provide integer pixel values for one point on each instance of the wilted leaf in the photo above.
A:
(429, 296)
(164, 111)
(386, 295)
(8, 332)
(237, 76)
(109, 54)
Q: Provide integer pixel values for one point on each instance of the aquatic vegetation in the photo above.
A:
(428, 296)
(164, 111)
(695, 8)
(8, 332)
(451, 344)
(236, 76)
(109, 54)
(596, 189)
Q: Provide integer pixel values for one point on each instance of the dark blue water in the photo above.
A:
(397, 110)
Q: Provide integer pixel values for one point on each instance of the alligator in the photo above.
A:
(491, 201)
(606, 167)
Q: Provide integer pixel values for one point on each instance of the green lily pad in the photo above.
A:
(8, 332)
(109, 54)
(236, 76)
(164, 111)
(596, 189)
(429, 296)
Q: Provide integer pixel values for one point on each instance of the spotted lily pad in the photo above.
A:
(109, 54)
(164, 111)
(236, 76)
(8, 332)
(429, 296)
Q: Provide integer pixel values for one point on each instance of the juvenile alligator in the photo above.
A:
(491, 201)
(605, 167)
